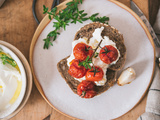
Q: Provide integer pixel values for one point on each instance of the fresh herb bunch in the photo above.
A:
(71, 14)
(5, 59)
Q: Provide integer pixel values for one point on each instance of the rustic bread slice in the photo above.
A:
(113, 35)
(63, 69)
(111, 73)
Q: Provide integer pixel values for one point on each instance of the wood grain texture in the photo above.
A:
(126, 2)
(17, 27)
(143, 5)
(153, 10)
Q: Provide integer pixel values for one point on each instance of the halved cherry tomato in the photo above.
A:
(108, 54)
(94, 74)
(81, 51)
(75, 70)
(86, 89)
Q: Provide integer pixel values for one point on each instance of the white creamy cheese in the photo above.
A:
(93, 42)
(81, 79)
(74, 43)
(10, 85)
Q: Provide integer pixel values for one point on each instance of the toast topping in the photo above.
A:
(75, 70)
(95, 37)
(86, 89)
(83, 49)
(94, 74)
(108, 54)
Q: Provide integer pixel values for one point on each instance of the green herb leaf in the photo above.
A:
(45, 10)
(71, 14)
(81, 1)
(103, 19)
(70, 3)
(54, 10)
(81, 11)
(83, 93)
(94, 15)
(50, 17)
(47, 43)
(96, 54)
(5, 59)
(86, 63)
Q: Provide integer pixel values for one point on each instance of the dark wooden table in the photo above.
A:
(17, 27)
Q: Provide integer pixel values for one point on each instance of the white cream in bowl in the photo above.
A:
(12, 83)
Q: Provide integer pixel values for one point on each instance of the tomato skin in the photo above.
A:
(110, 56)
(80, 51)
(86, 89)
(75, 70)
(98, 75)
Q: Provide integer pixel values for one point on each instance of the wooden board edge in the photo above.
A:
(46, 21)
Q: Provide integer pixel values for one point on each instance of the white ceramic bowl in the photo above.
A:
(15, 105)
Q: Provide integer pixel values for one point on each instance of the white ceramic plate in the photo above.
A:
(15, 105)
(117, 100)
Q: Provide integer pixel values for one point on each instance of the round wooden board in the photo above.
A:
(45, 22)
(28, 75)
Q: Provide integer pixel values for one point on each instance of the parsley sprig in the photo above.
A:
(5, 59)
(71, 14)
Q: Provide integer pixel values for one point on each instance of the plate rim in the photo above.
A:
(45, 21)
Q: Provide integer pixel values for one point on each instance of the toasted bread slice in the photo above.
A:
(113, 35)
(111, 73)
(63, 69)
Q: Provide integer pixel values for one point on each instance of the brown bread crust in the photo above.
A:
(63, 69)
(111, 74)
(113, 35)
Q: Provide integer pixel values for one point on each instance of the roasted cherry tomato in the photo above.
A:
(81, 51)
(86, 89)
(75, 70)
(108, 54)
(94, 74)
